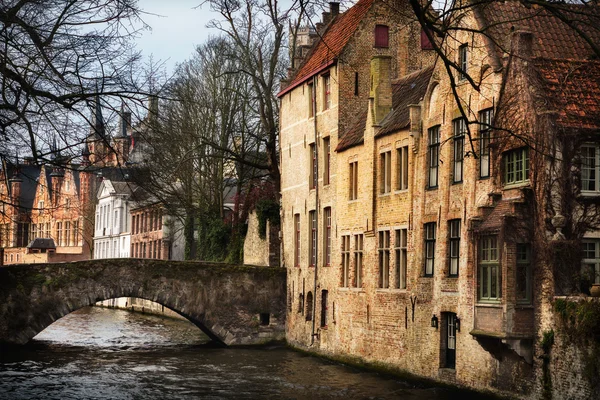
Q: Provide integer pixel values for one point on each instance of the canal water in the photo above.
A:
(99, 353)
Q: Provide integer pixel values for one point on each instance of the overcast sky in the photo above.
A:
(177, 27)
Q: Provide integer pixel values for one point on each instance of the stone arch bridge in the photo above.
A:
(229, 303)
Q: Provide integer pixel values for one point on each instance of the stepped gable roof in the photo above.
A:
(409, 89)
(331, 44)
(353, 135)
(553, 38)
(572, 87)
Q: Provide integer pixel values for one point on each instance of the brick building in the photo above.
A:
(402, 247)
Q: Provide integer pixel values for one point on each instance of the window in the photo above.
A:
(311, 100)
(68, 233)
(309, 306)
(401, 254)
(490, 277)
(434, 155)
(353, 180)
(454, 246)
(41, 207)
(301, 303)
(324, 294)
(523, 286)
(591, 259)
(381, 36)
(590, 170)
(356, 83)
(326, 92)
(485, 132)
(516, 166)
(297, 240)
(460, 128)
(402, 168)
(448, 340)
(68, 204)
(430, 229)
(312, 256)
(462, 61)
(327, 235)
(313, 166)
(345, 260)
(75, 233)
(385, 174)
(384, 259)
(327, 159)
(59, 233)
(358, 260)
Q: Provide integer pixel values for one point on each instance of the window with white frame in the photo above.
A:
(429, 235)
(590, 168)
(358, 259)
(460, 129)
(490, 274)
(516, 166)
(345, 260)
(591, 259)
(401, 258)
(311, 106)
(402, 168)
(384, 259)
(485, 134)
(385, 172)
(433, 156)
(523, 287)
(453, 246)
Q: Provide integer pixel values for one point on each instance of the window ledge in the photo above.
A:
(516, 185)
(391, 290)
(525, 306)
(386, 194)
(431, 188)
(401, 191)
(490, 304)
(589, 194)
(457, 183)
(352, 201)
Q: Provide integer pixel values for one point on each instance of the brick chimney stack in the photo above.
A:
(334, 8)
(381, 87)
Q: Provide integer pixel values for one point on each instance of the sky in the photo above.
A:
(178, 26)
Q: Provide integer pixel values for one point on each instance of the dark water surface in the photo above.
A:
(98, 353)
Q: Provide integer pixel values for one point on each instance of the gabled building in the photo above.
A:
(453, 224)
(112, 233)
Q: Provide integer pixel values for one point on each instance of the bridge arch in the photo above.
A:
(224, 301)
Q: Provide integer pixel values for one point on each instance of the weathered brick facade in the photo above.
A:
(454, 286)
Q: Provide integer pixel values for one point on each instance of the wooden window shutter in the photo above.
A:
(381, 36)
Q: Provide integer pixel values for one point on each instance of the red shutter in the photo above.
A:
(381, 36)
(425, 42)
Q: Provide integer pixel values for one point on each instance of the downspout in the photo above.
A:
(314, 304)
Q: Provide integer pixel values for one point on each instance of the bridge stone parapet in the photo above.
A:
(234, 305)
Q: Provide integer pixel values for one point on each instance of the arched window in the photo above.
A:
(301, 303)
(309, 306)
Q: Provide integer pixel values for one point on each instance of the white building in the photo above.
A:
(112, 233)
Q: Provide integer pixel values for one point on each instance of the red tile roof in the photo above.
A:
(329, 47)
(572, 87)
(553, 38)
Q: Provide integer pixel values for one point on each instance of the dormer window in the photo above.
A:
(382, 36)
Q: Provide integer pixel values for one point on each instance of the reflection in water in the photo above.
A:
(98, 353)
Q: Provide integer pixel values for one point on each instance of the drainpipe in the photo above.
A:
(314, 304)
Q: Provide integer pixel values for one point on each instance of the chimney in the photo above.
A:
(381, 87)
(414, 111)
(153, 106)
(334, 8)
(326, 18)
(522, 44)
